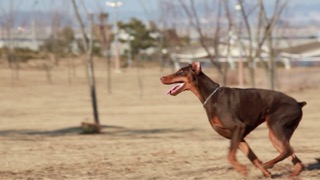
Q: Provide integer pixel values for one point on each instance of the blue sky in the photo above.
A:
(49, 4)
(144, 9)
(141, 7)
(136, 5)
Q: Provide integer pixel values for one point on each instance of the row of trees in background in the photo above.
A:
(215, 24)
(252, 25)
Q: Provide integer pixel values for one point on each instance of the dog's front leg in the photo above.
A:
(245, 148)
(237, 135)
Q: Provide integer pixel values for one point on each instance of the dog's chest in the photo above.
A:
(218, 127)
(215, 121)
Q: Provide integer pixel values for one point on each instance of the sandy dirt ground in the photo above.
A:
(146, 134)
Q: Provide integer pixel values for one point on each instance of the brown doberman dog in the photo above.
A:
(235, 112)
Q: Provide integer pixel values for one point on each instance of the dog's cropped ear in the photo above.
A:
(196, 67)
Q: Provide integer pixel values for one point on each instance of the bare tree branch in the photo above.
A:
(85, 37)
(194, 21)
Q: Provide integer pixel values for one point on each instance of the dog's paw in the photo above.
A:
(267, 174)
(267, 165)
(260, 166)
(298, 168)
(242, 169)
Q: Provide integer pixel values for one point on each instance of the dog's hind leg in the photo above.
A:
(280, 134)
(282, 145)
(298, 166)
(245, 148)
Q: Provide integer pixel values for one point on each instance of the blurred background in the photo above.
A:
(224, 34)
(232, 35)
(245, 43)
(94, 66)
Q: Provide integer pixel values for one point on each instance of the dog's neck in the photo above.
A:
(204, 87)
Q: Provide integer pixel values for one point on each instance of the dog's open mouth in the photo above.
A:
(175, 88)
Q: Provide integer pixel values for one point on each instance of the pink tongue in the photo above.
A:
(173, 88)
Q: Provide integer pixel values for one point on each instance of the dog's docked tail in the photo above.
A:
(303, 103)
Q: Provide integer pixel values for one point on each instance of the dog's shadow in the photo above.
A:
(313, 166)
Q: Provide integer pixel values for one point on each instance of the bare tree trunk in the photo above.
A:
(105, 40)
(272, 67)
(16, 61)
(230, 37)
(69, 70)
(48, 72)
(269, 26)
(140, 76)
(74, 74)
(90, 70)
(251, 70)
(47, 67)
(55, 29)
(161, 40)
(12, 58)
(80, 22)
(250, 57)
(108, 57)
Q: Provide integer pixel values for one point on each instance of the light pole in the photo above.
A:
(115, 5)
(240, 62)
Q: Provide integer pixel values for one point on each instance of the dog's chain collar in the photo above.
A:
(205, 102)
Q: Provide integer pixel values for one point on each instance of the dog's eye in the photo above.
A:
(180, 72)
